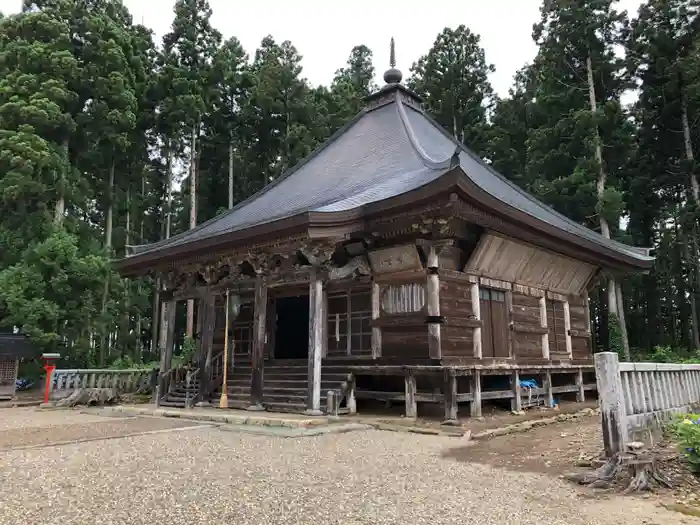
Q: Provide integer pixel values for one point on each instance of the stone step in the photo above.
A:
(172, 404)
(289, 408)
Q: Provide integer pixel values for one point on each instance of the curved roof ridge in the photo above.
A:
(413, 139)
(641, 252)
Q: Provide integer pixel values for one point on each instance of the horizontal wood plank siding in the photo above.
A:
(405, 342)
(526, 312)
(456, 307)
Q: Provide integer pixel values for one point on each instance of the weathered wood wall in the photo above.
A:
(514, 261)
(456, 308)
(581, 342)
(402, 312)
(527, 331)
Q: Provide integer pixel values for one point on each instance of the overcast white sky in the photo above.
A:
(324, 32)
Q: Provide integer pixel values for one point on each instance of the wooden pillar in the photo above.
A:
(516, 404)
(208, 305)
(313, 398)
(166, 354)
(476, 310)
(587, 320)
(258, 357)
(475, 381)
(351, 401)
(580, 392)
(548, 389)
(450, 397)
(432, 288)
(410, 393)
(611, 400)
(376, 331)
(324, 324)
(567, 329)
(543, 324)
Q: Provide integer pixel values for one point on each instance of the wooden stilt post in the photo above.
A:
(351, 401)
(516, 404)
(450, 395)
(580, 392)
(476, 393)
(259, 340)
(410, 392)
(313, 400)
(548, 389)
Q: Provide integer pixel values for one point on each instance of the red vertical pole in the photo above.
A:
(47, 387)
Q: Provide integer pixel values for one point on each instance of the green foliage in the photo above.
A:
(667, 354)
(615, 334)
(189, 349)
(686, 430)
(126, 362)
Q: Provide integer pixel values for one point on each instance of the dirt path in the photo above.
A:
(552, 449)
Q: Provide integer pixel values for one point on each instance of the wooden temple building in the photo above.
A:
(392, 264)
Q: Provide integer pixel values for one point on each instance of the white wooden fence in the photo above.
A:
(128, 381)
(640, 396)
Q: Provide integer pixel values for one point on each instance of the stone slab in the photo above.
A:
(226, 416)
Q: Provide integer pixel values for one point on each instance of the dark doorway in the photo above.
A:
(292, 336)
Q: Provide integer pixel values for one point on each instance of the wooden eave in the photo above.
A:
(336, 224)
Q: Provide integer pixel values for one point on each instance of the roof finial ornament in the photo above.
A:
(393, 75)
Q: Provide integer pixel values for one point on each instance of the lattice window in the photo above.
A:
(7, 372)
(349, 323)
(555, 324)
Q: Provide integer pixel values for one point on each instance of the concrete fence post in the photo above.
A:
(612, 402)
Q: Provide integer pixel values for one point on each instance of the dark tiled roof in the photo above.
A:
(389, 149)
(16, 346)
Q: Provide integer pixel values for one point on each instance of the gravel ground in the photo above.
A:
(103, 428)
(197, 476)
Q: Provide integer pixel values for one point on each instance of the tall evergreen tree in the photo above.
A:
(453, 80)
(189, 50)
(580, 148)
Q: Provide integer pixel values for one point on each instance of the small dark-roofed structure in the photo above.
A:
(13, 349)
(404, 254)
